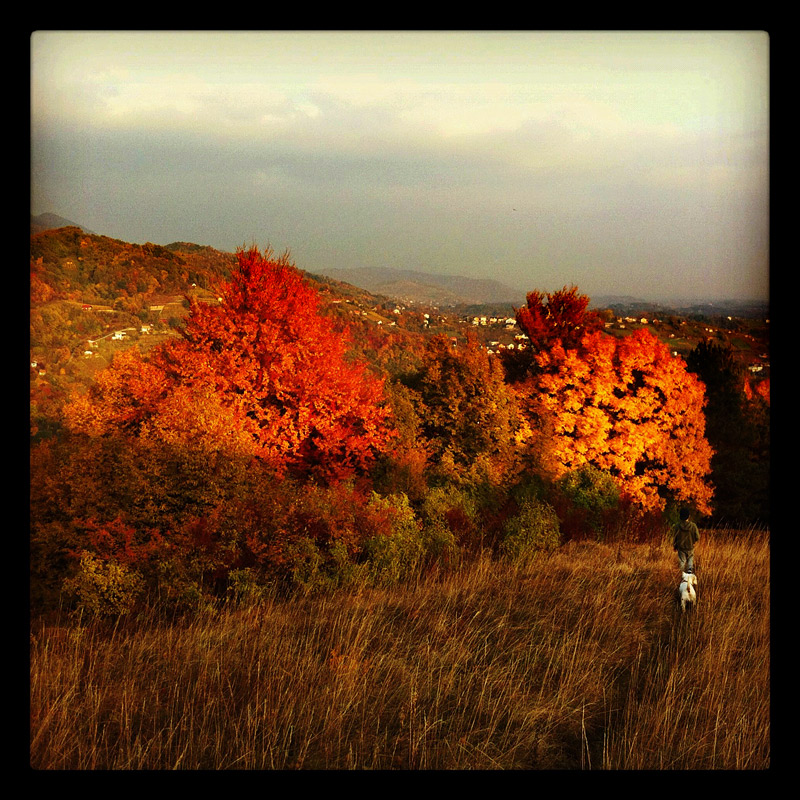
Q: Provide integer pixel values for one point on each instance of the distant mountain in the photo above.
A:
(626, 304)
(411, 286)
(610, 300)
(46, 222)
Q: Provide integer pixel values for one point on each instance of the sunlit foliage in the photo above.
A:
(627, 407)
(264, 441)
(263, 373)
(191, 462)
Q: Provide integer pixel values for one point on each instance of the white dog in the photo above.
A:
(687, 591)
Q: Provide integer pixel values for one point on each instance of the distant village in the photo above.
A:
(500, 332)
(495, 332)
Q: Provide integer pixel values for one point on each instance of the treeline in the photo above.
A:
(269, 444)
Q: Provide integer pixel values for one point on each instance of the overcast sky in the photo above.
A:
(624, 163)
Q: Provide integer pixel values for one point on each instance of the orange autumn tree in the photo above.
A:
(263, 374)
(623, 406)
(284, 369)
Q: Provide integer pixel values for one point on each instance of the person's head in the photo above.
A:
(684, 514)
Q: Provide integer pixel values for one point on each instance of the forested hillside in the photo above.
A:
(68, 264)
(203, 420)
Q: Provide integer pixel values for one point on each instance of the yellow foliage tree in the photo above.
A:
(627, 407)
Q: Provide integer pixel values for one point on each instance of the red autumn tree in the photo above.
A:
(263, 372)
(174, 459)
(562, 316)
(549, 319)
(627, 407)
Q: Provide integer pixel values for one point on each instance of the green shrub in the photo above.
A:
(305, 564)
(451, 518)
(342, 568)
(178, 582)
(312, 567)
(587, 499)
(245, 587)
(439, 543)
(393, 553)
(105, 588)
(530, 486)
(534, 528)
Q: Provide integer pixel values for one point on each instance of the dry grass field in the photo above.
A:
(579, 660)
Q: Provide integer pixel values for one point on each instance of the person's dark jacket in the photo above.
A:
(686, 536)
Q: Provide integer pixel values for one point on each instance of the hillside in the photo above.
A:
(252, 524)
(92, 295)
(72, 269)
(46, 222)
(424, 288)
(434, 431)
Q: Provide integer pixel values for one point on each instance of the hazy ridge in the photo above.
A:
(431, 289)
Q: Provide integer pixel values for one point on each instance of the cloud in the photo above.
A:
(557, 156)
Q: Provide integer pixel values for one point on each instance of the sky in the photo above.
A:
(630, 162)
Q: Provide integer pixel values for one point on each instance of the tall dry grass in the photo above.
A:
(579, 660)
(698, 694)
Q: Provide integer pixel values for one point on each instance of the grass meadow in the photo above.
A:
(578, 660)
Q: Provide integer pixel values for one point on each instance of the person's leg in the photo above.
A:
(681, 560)
(690, 561)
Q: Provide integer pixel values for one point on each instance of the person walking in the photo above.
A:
(686, 537)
